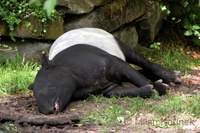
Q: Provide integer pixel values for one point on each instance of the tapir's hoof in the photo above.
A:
(177, 73)
(178, 81)
(148, 87)
(172, 84)
(161, 87)
(147, 91)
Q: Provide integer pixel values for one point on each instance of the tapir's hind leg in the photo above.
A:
(153, 77)
(135, 58)
(149, 75)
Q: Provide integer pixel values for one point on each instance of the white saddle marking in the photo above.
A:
(90, 36)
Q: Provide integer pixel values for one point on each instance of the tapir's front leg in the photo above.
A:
(137, 59)
(120, 91)
(122, 72)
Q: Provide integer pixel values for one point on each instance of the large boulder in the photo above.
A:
(29, 49)
(79, 6)
(150, 23)
(128, 35)
(108, 17)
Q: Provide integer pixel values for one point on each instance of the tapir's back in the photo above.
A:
(82, 56)
(90, 36)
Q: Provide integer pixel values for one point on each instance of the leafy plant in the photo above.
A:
(49, 5)
(192, 30)
(10, 128)
(164, 8)
(190, 22)
(4, 47)
(13, 13)
(155, 45)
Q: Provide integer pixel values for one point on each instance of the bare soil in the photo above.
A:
(20, 114)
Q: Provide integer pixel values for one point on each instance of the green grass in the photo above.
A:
(16, 75)
(137, 111)
(179, 104)
(172, 58)
(114, 109)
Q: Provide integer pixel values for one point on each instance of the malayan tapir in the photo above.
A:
(92, 61)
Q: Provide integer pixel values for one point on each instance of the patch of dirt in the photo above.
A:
(191, 83)
(20, 114)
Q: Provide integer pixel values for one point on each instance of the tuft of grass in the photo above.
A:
(179, 104)
(172, 58)
(16, 75)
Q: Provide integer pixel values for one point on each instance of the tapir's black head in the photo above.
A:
(53, 87)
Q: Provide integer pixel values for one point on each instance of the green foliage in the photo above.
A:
(13, 12)
(190, 22)
(164, 8)
(155, 45)
(10, 128)
(49, 5)
(16, 75)
(4, 47)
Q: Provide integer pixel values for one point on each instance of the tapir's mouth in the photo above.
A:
(56, 106)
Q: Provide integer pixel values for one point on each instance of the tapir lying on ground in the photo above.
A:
(92, 61)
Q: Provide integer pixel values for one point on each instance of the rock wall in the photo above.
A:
(132, 21)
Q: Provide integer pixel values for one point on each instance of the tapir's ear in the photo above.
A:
(30, 87)
(45, 60)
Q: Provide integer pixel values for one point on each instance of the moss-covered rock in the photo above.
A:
(151, 23)
(32, 27)
(3, 28)
(32, 30)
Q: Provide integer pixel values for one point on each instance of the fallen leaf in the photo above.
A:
(73, 109)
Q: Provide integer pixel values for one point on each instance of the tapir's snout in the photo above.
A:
(56, 107)
(47, 111)
(50, 108)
